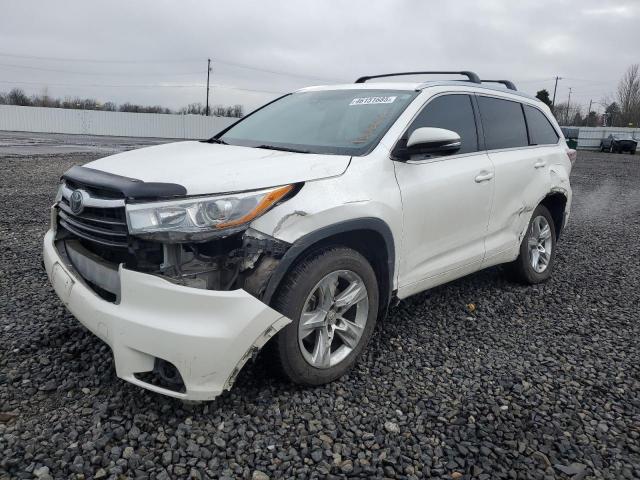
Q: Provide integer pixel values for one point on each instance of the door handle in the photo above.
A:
(484, 176)
(540, 164)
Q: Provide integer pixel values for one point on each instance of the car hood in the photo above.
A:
(204, 168)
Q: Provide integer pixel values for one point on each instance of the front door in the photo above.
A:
(446, 201)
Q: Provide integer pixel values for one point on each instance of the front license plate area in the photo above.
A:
(62, 283)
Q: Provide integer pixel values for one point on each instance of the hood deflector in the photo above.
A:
(130, 188)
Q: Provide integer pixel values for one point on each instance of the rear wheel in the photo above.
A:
(611, 148)
(332, 300)
(537, 250)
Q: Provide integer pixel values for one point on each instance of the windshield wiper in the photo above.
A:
(218, 140)
(282, 149)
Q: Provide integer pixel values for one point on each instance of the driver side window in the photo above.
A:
(451, 112)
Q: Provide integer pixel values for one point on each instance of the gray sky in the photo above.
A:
(154, 52)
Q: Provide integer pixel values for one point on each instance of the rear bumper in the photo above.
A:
(207, 335)
(625, 146)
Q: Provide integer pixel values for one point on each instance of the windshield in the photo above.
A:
(622, 136)
(342, 122)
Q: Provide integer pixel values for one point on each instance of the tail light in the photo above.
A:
(572, 154)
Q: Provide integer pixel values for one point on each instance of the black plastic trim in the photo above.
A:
(90, 218)
(92, 238)
(130, 188)
(303, 243)
(73, 221)
(482, 146)
(472, 76)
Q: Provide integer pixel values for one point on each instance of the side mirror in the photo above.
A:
(433, 141)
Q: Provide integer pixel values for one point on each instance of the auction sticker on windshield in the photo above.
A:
(371, 100)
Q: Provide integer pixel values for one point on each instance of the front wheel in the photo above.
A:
(537, 250)
(332, 299)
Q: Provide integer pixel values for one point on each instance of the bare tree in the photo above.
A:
(629, 96)
(18, 97)
(568, 114)
(238, 111)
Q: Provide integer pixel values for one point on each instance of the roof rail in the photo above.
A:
(507, 83)
(473, 77)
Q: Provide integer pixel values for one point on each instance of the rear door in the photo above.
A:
(446, 200)
(521, 172)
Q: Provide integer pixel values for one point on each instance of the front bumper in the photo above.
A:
(207, 335)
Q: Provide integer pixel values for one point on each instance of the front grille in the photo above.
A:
(102, 220)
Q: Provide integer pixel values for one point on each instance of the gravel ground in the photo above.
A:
(538, 382)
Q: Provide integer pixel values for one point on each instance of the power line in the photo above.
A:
(127, 74)
(94, 60)
(148, 85)
(536, 80)
(276, 72)
(216, 60)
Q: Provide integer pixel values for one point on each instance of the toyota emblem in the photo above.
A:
(76, 202)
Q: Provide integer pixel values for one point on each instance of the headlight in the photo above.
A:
(59, 193)
(199, 218)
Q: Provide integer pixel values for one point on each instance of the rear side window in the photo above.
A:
(452, 112)
(541, 132)
(503, 123)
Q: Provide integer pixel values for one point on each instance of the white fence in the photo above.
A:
(589, 137)
(117, 124)
(154, 125)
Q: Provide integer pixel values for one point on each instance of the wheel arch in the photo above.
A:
(369, 236)
(556, 203)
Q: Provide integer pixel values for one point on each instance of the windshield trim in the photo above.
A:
(319, 149)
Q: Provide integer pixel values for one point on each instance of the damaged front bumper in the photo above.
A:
(207, 335)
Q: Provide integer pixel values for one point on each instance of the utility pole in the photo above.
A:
(568, 103)
(208, 73)
(590, 102)
(553, 102)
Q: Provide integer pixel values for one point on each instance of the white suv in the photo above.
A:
(302, 222)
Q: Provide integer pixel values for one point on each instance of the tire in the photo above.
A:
(522, 269)
(633, 152)
(301, 292)
(601, 147)
(611, 148)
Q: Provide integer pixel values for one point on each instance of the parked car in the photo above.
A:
(619, 142)
(300, 224)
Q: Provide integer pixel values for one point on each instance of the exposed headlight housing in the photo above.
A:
(200, 218)
(59, 193)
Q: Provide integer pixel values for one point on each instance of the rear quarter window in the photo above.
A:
(503, 123)
(541, 132)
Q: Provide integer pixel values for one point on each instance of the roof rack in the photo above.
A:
(473, 77)
(507, 83)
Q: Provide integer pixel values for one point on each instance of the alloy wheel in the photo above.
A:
(540, 244)
(333, 319)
